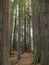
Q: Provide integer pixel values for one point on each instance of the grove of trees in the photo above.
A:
(24, 27)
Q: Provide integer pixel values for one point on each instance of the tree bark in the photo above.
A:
(14, 38)
(36, 33)
(4, 32)
(44, 32)
(19, 35)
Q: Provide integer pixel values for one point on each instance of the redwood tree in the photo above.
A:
(4, 32)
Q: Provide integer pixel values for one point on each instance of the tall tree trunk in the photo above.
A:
(33, 24)
(44, 32)
(11, 30)
(36, 31)
(1, 2)
(5, 31)
(29, 37)
(14, 38)
(25, 46)
(19, 35)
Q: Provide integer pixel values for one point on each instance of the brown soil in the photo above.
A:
(26, 59)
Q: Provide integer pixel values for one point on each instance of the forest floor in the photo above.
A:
(26, 59)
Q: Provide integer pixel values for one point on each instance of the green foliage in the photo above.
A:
(14, 3)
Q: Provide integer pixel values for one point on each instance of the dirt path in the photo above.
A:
(26, 59)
